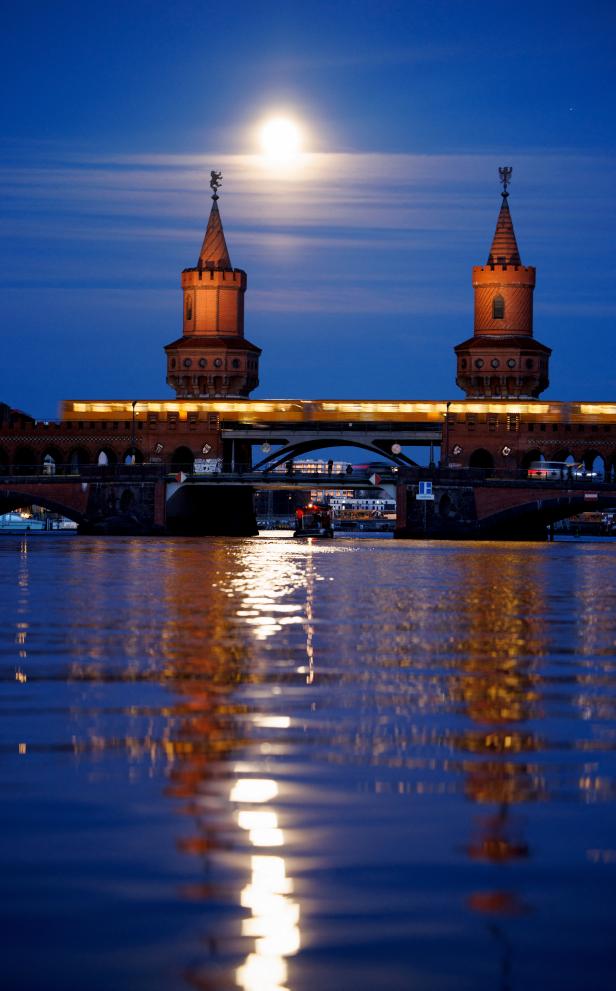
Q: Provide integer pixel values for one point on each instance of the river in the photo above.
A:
(266, 763)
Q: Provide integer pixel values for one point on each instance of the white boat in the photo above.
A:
(20, 523)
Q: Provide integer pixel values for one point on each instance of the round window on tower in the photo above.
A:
(479, 363)
(202, 362)
(511, 363)
(187, 362)
(495, 362)
(217, 362)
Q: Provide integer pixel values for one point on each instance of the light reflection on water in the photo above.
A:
(268, 764)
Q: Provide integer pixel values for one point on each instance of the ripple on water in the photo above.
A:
(274, 764)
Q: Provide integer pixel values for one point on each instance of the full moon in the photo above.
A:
(280, 139)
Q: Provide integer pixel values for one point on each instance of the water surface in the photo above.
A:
(266, 764)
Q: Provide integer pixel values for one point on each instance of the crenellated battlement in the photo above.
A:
(506, 275)
(194, 276)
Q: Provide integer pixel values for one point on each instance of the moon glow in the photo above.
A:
(280, 139)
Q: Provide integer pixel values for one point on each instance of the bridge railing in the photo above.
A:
(148, 471)
(66, 472)
(447, 474)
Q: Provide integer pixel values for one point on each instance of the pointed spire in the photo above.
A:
(504, 250)
(214, 253)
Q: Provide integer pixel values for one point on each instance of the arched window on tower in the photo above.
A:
(188, 306)
(498, 308)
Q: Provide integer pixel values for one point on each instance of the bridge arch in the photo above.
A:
(288, 452)
(530, 456)
(12, 499)
(534, 516)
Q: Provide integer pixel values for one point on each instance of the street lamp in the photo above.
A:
(445, 439)
(133, 440)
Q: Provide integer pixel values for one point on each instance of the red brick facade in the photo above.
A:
(213, 358)
(502, 360)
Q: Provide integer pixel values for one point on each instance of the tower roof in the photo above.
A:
(504, 250)
(214, 253)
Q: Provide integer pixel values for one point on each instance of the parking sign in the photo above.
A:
(425, 491)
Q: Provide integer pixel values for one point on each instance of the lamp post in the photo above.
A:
(445, 444)
(133, 440)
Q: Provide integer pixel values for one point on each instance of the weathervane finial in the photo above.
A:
(505, 177)
(215, 183)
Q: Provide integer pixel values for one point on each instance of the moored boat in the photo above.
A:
(17, 522)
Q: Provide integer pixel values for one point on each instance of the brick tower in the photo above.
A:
(213, 358)
(502, 359)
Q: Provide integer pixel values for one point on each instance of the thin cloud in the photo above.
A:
(356, 299)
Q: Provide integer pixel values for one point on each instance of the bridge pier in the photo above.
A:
(212, 511)
(478, 509)
(450, 515)
(479, 504)
(453, 515)
(125, 507)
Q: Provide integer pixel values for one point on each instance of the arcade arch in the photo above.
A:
(133, 456)
(183, 459)
(481, 458)
(52, 460)
(594, 461)
(77, 458)
(106, 456)
(25, 461)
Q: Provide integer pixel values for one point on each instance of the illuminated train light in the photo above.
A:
(287, 410)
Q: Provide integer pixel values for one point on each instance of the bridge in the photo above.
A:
(157, 499)
(479, 504)
(153, 499)
(500, 428)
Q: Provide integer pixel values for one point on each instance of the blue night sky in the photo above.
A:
(358, 256)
